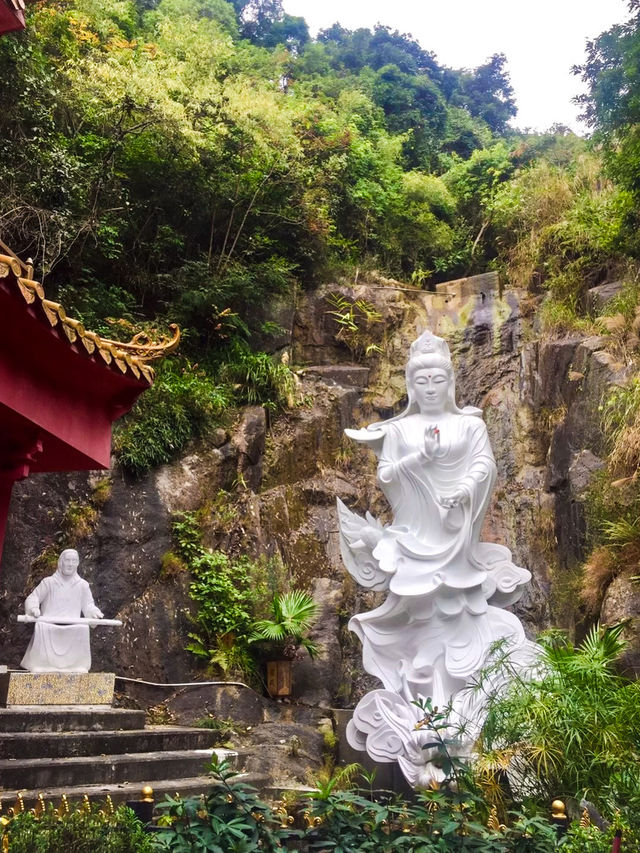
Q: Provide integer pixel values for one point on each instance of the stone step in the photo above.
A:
(122, 791)
(24, 745)
(66, 718)
(41, 773)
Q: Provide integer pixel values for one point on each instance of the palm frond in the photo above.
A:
(298, 608)
(293, 615)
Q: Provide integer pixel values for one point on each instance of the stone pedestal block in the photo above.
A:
(56, 688)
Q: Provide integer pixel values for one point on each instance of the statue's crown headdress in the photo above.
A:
(429, 343)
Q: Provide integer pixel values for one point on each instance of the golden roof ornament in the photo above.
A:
(128, 357)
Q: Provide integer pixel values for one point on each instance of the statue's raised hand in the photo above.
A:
(431, 441)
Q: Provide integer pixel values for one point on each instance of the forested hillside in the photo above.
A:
(185, 162)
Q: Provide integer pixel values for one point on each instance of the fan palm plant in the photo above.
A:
(293, 616)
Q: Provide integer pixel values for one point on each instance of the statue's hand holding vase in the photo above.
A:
(454, 500)
(453, 504)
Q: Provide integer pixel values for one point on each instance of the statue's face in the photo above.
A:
(431, 387)
(69, 563)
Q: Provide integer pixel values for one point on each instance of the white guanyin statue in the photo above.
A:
(446, 589)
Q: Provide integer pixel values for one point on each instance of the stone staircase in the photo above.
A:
(71, 751)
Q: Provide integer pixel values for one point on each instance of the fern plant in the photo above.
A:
(294, 614)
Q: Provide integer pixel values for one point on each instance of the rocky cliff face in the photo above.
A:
(272, 489)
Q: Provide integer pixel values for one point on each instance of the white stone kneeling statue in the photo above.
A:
(446, 589)
(62, 597)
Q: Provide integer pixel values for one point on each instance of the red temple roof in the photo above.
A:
(61, 386)
(113, 353)
(11, 15)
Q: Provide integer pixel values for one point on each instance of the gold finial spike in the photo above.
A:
(86, 804)
(41, 806)
(558, 810)
(585, 820)
(147, 794)
(109, 804)
(19, 804)
(64, 805)
(282, 814)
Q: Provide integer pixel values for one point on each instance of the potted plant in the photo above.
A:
(284, 637)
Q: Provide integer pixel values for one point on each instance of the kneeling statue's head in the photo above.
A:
(68, 562)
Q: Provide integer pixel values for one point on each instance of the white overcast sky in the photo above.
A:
(542, 40)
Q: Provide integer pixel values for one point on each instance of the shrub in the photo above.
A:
(589, 839)
(572, 729)
(223, 593)
(354, 321)
(182, 404)
(258, 378)
(83, 829)
(562, 317)
(228, 594)
(230, 817)
(560, 227)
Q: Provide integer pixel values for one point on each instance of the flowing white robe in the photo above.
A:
(60, 648)
(437, 624)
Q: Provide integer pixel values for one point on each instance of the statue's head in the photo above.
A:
(430, 361)
(430, 354)
(68, 562)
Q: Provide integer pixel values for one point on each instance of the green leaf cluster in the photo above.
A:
(571, 730)
(81, 829)
(231, 598)
(231, 817)
(183, 403)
